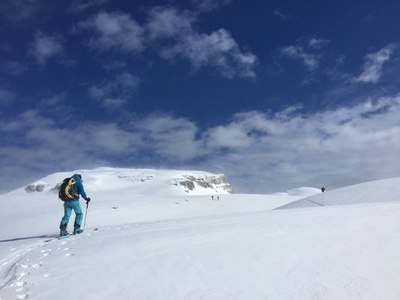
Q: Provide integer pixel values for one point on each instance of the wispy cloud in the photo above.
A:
(79, 6)
(171, 33)
(45, 46)
(373, 65)
(279, 12)
(209, 5)
(173, 139)
(115, 31)
(166, 22)
(217, 49)
(307, 51)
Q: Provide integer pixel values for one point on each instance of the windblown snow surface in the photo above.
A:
(162, 243)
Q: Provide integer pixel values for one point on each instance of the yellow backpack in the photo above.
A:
(68, 189)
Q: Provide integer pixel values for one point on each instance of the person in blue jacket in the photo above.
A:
(74, 205)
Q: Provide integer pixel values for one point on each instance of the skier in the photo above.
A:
(323, 189)
(74, 204)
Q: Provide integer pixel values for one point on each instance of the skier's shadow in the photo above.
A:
(29, 238)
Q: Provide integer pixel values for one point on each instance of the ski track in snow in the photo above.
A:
(15, 270)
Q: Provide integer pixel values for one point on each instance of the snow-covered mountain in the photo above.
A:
(140, 181)
(147, 238)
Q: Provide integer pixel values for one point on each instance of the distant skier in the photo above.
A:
(323, 189)
(71, 202)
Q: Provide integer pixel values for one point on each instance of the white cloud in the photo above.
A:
(45, 47)
(261, 152)
(217, 49)
(298, 53)
(278, 12)
(172, 34)
(111, 138)
(245, 130)
(316, 43)
(373, 65)
(115, 31)
(32, 142)
(231, 136)
(168, 23)
(334, 148)
(171, 138)
(307, 51)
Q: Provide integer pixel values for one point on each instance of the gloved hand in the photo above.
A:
(87, 200)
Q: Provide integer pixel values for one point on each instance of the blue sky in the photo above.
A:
(274, 94)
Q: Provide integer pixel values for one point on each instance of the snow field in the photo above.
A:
(290, 254)
(169, 246)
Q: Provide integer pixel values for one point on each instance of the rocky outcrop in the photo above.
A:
(217, 184)
(35, 187)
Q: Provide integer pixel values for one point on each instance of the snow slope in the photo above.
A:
(155, 246)
(368, 192)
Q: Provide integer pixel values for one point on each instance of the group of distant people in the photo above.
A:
(212, 197)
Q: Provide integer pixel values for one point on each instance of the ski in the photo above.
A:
(66, 236)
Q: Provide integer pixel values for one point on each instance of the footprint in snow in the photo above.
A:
(22, 292)
(46, 252)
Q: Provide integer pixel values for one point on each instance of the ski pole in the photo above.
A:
(84, 223)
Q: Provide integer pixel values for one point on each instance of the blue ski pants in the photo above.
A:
(68, 207)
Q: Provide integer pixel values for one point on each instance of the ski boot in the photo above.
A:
(63, 233)
(77, 229)
(63, 230)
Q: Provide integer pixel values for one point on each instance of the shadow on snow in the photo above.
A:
(29, 238)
